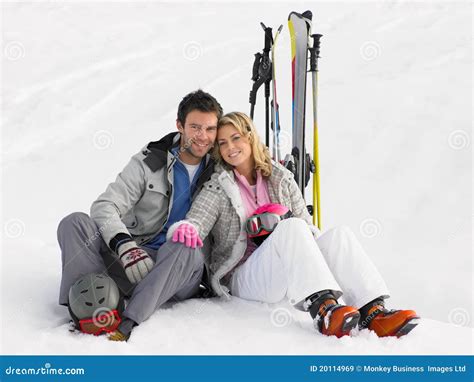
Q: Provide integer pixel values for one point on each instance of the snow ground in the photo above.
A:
(86, 84)
(202, 326)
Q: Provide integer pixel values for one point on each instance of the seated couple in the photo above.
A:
(207, 208)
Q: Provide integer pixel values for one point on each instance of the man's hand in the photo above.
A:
(136, 262)
(187, 234)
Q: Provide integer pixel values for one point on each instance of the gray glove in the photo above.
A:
(136, 262)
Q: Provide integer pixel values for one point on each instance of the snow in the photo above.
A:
(86, 84)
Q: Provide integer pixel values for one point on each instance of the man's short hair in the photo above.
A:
(198, 100)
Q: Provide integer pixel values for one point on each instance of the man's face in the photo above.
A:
(197, 135)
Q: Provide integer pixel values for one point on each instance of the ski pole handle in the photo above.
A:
(256, 64)
(268, 38)
(314, 52)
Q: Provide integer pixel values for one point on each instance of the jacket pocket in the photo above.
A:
(152, 210)
(130, 220)
(155, 186)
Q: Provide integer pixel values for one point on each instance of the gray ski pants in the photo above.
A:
(176, 274)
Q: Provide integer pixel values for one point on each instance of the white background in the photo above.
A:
(85, 85)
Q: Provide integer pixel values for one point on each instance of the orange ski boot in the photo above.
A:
(331, 318)
(387, 323)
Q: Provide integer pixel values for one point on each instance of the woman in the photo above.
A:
(296, 261)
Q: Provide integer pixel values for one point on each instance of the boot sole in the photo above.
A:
(408, 326)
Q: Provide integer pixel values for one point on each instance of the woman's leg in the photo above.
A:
(362, 284)
(288, 263)
(351, 266)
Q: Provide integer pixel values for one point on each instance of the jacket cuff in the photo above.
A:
(175, 226)
(118, 240)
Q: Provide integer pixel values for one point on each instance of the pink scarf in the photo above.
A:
(251, 202)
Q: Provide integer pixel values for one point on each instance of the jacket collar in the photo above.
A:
(157, 154)
(226, 179)
(206, 173)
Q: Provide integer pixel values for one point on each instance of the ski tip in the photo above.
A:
(305, 15)
(294, 14)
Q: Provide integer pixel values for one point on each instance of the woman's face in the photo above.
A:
(234, 148)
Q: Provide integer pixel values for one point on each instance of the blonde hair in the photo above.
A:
(246, 128)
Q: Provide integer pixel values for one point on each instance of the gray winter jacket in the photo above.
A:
(138, 203)
(219, 210)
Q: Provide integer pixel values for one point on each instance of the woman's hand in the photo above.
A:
(188, 235)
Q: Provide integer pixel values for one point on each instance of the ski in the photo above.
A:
(300, 30)
(299, 162)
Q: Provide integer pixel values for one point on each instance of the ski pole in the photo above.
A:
(314, 55)
(266, 62)
(275, 106)
(262, 74)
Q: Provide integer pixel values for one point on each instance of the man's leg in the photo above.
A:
(82, 252)
(351, 266)
(80, 245)
(176, 275)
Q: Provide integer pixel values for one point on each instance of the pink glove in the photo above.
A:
(187, 234)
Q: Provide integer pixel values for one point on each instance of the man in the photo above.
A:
(125, 234)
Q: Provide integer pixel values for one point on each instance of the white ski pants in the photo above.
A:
(291, 263)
